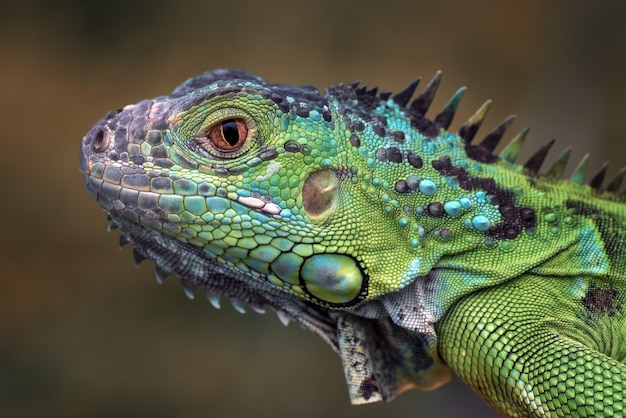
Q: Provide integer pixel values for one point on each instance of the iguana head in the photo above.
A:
(277, 195)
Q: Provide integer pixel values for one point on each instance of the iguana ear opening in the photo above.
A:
(320, 193)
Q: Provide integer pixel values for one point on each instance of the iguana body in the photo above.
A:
(414, 253)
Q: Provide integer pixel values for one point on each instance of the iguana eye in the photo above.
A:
(228, 135)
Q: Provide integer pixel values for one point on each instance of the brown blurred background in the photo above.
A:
(85, 334)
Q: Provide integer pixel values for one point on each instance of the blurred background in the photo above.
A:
(85, 334)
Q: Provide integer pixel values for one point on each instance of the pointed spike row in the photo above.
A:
(122, 241)
(361, 90)
(188, 290)
(558, 166)
(355, 84)
(471, 126)
(511, 151)
(536, 160)
(403, 97)
(160, 274)
(137, 257)
(492, 139)
(373, 92)
(257, 307)
(213, 297)
(426, 97)
(283, 317)
(445, 116)
(160, 279)
(616, 183)
(578, 176)
(384, 95)
(598, 178)
(238, 304)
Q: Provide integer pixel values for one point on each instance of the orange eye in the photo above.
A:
(228, 135)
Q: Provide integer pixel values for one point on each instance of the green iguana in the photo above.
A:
(414, 252)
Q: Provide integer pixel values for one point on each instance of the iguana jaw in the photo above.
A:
(372, 347)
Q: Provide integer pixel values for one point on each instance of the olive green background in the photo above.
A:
(85, 334)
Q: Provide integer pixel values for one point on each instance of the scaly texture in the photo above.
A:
(412, 251)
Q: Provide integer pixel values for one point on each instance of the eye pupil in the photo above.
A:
(230, 132)
(228, 135)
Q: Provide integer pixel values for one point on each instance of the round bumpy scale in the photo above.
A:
(481, 223)
(332, 278)
(427, 187)
(452, 207)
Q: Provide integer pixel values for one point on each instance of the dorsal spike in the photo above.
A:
(161, 274)
(445, 116)
(402, 98)
(283, 317)
(213, 297)
(373, 92)
(137, 257)
(426, 97)
(616, 183)
(492, 139)
(558, 167)
(354, 84)
(468, 130)
(536, 160)
(384, 95)
(257, 307)
(238, 304)
(511, 151)
(361, 90)
(598, 178)
(123, 240)
(578, 176)
(188, 289)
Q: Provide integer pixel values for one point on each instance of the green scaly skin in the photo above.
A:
(414, 253)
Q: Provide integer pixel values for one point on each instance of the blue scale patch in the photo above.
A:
(412, 271)
(481, 223)
(427, 187)
(465, 202)
(452, 207)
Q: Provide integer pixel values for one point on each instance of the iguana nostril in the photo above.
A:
(101, 140)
